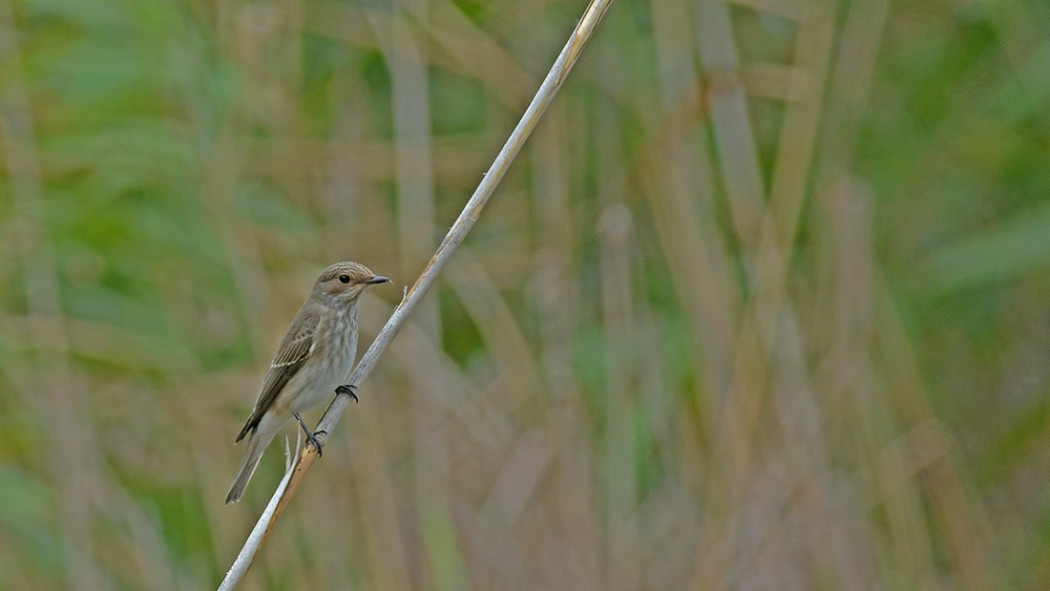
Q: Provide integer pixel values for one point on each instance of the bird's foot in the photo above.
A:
(311, 436)
(348, 390)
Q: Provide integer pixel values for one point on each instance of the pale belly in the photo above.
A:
(315, 383)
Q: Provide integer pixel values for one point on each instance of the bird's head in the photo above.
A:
(345, 282)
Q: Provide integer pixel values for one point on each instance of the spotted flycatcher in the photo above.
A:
(313, 359)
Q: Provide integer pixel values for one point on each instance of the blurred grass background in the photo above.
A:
(762, 305)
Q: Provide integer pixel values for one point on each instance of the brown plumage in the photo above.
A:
(314, 357)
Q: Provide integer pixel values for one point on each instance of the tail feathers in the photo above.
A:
(256, 446)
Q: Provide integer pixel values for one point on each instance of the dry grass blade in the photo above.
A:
(551, 84)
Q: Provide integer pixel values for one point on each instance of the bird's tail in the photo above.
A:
(257, 444)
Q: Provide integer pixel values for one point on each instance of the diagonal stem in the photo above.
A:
(456, 234)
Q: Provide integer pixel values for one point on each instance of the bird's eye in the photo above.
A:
(344, 278)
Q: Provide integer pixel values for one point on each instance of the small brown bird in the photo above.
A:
(313, 359)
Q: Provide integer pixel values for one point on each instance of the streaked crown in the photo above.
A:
(343, 282)
(357, 272)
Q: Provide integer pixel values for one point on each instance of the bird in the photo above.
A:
(314, 357)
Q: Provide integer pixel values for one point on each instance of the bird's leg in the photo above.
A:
(311, 437)
(348, 390)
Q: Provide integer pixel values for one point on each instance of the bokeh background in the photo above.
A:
(763, 304)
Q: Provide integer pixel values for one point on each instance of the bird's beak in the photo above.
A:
(377, 279)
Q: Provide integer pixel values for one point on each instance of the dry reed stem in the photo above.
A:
(564, 63)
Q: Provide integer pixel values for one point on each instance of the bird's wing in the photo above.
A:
(295, 349)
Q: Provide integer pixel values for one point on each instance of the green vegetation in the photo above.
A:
(762, 304)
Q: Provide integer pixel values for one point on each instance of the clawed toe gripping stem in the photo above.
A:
(311, 436)
(348, 390)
